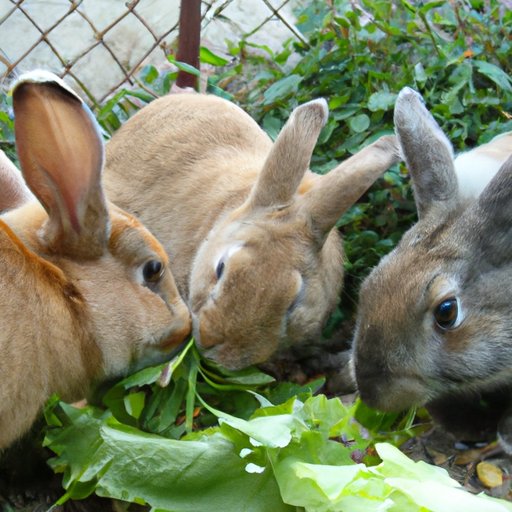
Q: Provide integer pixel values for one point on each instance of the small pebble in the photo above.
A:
(489, 474)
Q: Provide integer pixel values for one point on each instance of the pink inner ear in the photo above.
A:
(60, 150)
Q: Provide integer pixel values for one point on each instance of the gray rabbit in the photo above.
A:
(435, 316)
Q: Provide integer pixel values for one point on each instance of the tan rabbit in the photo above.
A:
(435, 316)
(85, 289)
(248, 228)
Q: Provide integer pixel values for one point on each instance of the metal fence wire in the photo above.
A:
(99, 46)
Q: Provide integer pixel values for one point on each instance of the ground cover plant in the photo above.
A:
(190, 436)
(279, 449)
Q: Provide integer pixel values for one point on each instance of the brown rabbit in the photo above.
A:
(248, 228)
(435, 316)
(85, 290)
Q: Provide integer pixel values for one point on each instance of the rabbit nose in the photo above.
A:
(180, 329)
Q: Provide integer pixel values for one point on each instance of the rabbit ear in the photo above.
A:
(335, 192)
(289, 157)
(61, 154)
(492, 227)
(13, 191)
(427, 152)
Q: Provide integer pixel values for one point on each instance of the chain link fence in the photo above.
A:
(100, 46)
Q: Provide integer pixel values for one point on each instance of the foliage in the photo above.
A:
(305, 453)
(7, 126)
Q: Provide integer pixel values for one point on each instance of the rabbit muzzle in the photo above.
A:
(382, 383)
(229, 348)
(387, 392)
(179, 332)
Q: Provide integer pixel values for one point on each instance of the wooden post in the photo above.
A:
(189, 40)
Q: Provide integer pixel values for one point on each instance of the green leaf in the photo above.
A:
(127, 464)
(419, 73)
(494, 73)
(183, 66)
(359, 123)
(208, 57)
(430, 486)
(281, 89)
(168, 369)
(428, 6)
(313, 486)
(143, 377)
(134, 403)
(269, 431)
(149, 74)
(272, 125)
(381, 101)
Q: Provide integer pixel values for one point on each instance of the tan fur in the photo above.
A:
(212, 186)
(73, 314)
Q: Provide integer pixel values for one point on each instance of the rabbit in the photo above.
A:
(14, 191)
(475, 168)
(85, 290)
(249, 230)
(435, 316)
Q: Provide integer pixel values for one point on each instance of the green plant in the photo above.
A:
(296, 452)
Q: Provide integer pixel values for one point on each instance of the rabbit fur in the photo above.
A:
(14, 191)
(435, 316)
(248, 228)
(86, 292)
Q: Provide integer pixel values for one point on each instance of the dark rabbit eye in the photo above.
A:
(447, 313)
(220, 269)
(152, 271)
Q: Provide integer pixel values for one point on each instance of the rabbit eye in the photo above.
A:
(152, 271)
(220, 265)
(220, 269)
(446, 313)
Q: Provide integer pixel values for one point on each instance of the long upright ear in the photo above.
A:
(290, 155)
(61, 154)
(491, 221)
(13, 190)
(337, 191)
(427, 152)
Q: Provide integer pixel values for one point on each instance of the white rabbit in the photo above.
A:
(475, 168)
(85, 289)
(248, 228)
(435, 316)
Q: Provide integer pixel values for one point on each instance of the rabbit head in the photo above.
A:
(249, 229)
(269, 272)
(435, 316)
(86, 292)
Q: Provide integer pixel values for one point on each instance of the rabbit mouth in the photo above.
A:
(391, 394)
(176, 338)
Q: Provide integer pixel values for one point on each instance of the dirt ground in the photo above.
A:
(461, 460)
